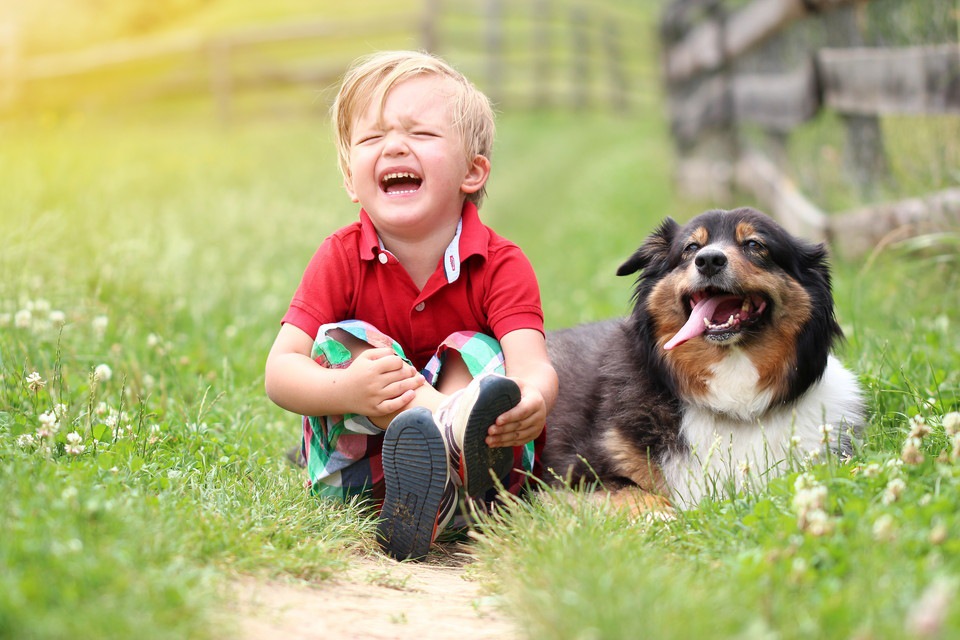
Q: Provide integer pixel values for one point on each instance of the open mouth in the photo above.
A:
(400, 183)
(718, 316)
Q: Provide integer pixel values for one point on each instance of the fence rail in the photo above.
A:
(570, 51)
(712, 97)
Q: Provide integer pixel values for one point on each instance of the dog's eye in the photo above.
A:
(692, 247)
(753, 245)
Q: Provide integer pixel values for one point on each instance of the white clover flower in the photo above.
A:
(148, 381)
(35, 382)
(153, 340)
(100, 324)
(73, 447)
(230, 332)
(818, 523)
(102, 373)
(894, 490)
(911, 453)
(872, 470)
(5, 319)
(59, 410)
(893, 463)
(918, 427)
(41, 305)
(884, 528)
(951, 423)
(49, 422)
(804, 481)
(939, 533)
(69, 493)
(22, 319)
(26, 441)
(810, 498)
(58, 318)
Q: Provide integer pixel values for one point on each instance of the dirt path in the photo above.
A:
(378, 598)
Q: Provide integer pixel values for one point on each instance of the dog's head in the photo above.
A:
(733, 283)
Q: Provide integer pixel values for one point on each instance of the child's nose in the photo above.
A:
(394, 144)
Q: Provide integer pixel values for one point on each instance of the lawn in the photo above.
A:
(146, 261)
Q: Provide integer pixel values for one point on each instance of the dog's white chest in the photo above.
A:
(732, 387)
(727, 453)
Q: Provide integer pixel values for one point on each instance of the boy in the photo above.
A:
(414, 344)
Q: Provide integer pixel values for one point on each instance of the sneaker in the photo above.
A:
(464, 418)
(419, 495)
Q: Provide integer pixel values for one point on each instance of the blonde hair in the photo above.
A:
(371, 78)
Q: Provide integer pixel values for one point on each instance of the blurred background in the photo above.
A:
(838, 117)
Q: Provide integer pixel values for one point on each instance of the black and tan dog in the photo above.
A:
(721, 373)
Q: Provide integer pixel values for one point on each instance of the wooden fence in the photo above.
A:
(712, 99)
(530, 52)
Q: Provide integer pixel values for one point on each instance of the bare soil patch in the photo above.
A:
(376, 598)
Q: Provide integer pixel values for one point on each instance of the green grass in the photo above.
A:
(167, 248)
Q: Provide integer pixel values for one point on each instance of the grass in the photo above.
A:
(163, 250)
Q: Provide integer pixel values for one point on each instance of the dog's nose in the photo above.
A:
(710, 262)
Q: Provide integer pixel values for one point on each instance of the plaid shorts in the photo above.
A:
(343, 453)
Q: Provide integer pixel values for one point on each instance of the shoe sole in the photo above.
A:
(414, 472)
(496, 395)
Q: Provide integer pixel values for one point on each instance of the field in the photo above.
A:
(146, 261)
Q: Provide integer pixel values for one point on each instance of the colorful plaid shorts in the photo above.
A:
(343, 452)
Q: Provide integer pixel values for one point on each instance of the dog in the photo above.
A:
(721, 375)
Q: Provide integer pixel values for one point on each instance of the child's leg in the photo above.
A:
(425, 452)
(426, 395)
(342, 452)
(469, 355)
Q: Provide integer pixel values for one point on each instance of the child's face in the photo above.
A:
(408, 166)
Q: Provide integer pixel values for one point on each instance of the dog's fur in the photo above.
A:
(651, 407)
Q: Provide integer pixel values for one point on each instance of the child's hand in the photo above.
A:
(380, 383)
(521, 424)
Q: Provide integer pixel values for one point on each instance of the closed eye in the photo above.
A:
(369, 137)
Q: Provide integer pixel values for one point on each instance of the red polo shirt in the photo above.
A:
(351, 278)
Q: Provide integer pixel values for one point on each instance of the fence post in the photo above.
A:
(9, 65)
(542, 14)
(618, 79)
(428, 25)
(865, 159)
(494, 41)
(580, 72)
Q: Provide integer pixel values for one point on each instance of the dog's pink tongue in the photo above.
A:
(695, 325)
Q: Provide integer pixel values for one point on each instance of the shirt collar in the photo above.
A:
(473, 240)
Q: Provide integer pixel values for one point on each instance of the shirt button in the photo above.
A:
(382, 257)
(420, 306)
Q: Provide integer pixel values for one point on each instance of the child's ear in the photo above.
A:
(478, 170)
(348, 185)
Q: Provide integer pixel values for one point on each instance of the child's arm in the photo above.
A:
(377, 383)
(526, 361)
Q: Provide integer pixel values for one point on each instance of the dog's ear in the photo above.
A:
(654, 249)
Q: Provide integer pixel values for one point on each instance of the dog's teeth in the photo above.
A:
(746, 305)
